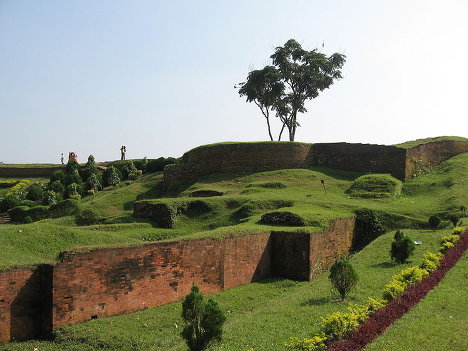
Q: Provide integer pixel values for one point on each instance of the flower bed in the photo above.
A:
(383, 318)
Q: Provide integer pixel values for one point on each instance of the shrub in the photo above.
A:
(402, 281)
(128, 170)
(402, 248)
(454, 218)
(203, 321)
(452, 238)
(28, 203)
(57, 186)
(90, 168)
(28, 219)
(158, 165)
(93, 183)
(71, 167)
(73, 189)
(343, 277)
(16, 190)
(64, 208)
(141, 164)
(315, 343)
(35, 192)
(337, 325)
(75, 197)
(431, 261)
(458, 230)
(88, 217)
(368, 227)
(444, 247)
(282, 218)
(58, 175)
(18, 213)
(73, 177)
(376, 186)
(434, 221)
(9, 202)
(112, 176)
(51, 198)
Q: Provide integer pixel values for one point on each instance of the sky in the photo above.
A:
(158, 76)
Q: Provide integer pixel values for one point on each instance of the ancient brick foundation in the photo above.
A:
(27, 172)
(260, 157)
(111, 281)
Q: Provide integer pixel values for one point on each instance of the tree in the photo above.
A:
(402, 247)
(296, 76)
(343, 277)
(203, 321)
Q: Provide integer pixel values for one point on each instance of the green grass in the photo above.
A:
(246, 142)
(439, 322)
(238, 211)
(376, 186)
(261, 315)
(417, 142)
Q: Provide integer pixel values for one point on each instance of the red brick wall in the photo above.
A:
(431, 154)
(25, 303)
(327, 246)
(111, 281)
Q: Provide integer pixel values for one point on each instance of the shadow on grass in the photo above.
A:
(384, 265)
(315, 302)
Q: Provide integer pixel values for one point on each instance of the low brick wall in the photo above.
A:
(260, 157)
(27, 172)
(25, 303)
(111, 281)
(431, 154)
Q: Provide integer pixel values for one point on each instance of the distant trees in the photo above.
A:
(203, 321)
(296, 76)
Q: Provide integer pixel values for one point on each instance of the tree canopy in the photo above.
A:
(295, 76)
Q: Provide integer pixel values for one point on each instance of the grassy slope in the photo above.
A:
(413, 143)
(439, 322)
(261, 315)
(247, 197)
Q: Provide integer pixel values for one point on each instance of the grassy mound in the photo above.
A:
(417, 142)
(376, 186)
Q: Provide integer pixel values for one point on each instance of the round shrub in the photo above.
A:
(64, 208)
(35, 192)
(9, 202)
(18, 213)
(28, 203)
(73, 189)
(343, 277)
(93, 183)
(282, 218)
(112, 176)
(73, 177)
(376, 186)
(58, 175)
(57, 186)
(434, 221)
(88, 217)
(51, 198)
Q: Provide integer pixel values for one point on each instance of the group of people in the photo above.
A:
(72, 156)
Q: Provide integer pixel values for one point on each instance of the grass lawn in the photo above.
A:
(261, 315)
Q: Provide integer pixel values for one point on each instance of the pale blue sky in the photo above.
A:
(90, 76)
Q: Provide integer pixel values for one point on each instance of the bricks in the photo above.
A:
(111, 281)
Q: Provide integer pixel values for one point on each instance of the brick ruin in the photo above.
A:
(110, 281)
(260, 157)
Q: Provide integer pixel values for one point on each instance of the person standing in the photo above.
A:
(123, 150)
(61, 159)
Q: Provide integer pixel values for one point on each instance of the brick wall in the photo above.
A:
(111, 281)
(431, 154)
(25, 303)
(27, 172)
(361, 158)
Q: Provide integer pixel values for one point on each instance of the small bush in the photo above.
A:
(158, 165)
(337, 325)
(402, 281)
(315, 343)
(88, 217)
(58, 175)
(431, 261)
(402, 248)
(35, 192)
(64, 208)
(93, 183)
(73, 189)
(8, 202)
(18, 188)
(18, 213)
(73, 177)
(203, 321)
(28, 219)
(282, 218)
(434, 221)
(454, 218)
(112, 176)
(57, 186)
(141, 164)
(343, 277)
(51, 198)
(28, 203)
(376, 186)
